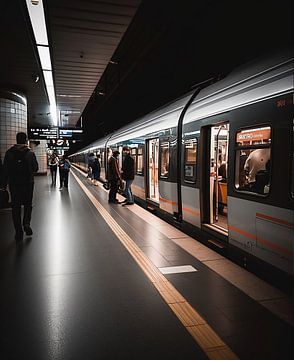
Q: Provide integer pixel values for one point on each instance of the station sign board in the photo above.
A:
(71, 133)
(43, 133)
(55, 132)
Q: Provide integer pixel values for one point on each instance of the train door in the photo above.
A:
(152, 174)
(217, 164)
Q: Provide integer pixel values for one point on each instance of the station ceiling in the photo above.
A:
(115, 60)
(83, 36)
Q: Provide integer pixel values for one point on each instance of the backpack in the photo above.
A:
(19, 171)
(66, 165)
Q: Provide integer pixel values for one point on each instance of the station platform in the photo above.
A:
(103, 281)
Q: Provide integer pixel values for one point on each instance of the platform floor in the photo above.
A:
(102, 281)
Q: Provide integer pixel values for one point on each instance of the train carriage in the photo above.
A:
(231, 180)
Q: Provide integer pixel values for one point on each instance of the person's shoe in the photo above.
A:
(28, 230)
(60, 188)
(128, 203)
(18, 236)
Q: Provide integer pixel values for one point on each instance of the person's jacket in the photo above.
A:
(95, 165)
(128, 168)
(24, 174)
(113, 170)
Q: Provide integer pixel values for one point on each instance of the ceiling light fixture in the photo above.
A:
(44, 56)
(69, 96)
(37, 18)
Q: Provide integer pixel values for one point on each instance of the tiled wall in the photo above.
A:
(40, 151)
(13, 119)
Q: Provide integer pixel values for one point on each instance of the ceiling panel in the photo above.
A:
(83, 36)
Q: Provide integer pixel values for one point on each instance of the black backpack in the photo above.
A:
(19, 171)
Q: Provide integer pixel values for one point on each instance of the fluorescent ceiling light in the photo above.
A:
(44, 56)
(36, 13)
(70, 96)
(37, 17)
(21, 97)
(51, 95)
(48, 77)
(53, 108)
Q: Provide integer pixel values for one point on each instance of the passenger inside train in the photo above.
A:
(254, 160)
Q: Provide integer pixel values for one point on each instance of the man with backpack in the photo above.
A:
(64, 166)
(19, 166)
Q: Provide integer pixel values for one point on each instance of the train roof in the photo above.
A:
(252, 82)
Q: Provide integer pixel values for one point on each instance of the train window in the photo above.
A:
(190, 158)
(253, 160)
(140, 166)
(164, 159)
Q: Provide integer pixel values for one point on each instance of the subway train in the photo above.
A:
(230, 183)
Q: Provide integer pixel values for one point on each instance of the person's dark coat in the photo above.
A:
(95, 165)
(26, 176)
(112, 171)
(128, 168)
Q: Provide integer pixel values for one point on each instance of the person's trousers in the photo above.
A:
(53, 172)
(96, 175)
(21, 195)
(113, 190)
(63, 174)
(128, 191)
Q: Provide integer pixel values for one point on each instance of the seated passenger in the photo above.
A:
(256, 162)
(262, 180)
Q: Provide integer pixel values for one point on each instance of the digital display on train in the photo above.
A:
(40, 133)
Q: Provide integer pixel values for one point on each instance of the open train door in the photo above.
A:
(215, 180)
(152, 190)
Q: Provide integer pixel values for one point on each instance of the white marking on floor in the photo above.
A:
(177, 269)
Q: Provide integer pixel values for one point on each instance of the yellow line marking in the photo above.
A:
(202, 333)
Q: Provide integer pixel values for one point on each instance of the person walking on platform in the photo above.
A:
(53, 163)
(96, 168)
(91, 158)
(128, 174)
(19, 166)
(64, 166)
(113, 177)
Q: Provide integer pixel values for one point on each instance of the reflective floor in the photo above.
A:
(73, 290)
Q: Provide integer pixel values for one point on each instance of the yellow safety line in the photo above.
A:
(202, 333)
